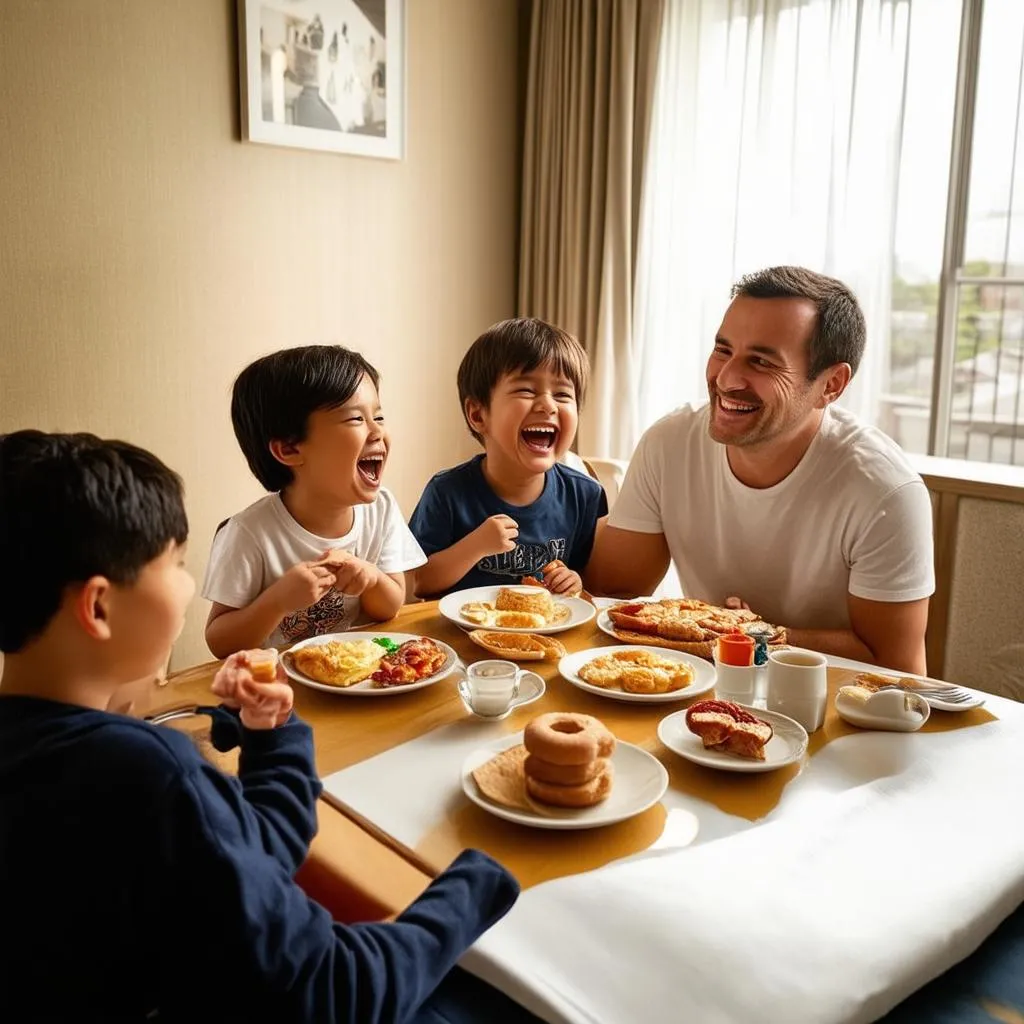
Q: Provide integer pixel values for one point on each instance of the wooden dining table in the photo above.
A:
(360, 872)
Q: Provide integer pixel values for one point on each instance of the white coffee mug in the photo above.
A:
(798, 686)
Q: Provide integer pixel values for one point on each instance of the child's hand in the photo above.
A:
(301, 586)
(263, 705)
(352, 576)
(562, 580)
(497, 534)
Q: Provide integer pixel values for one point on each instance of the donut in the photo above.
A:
(561, 737)
(563, 774)
(584, 795)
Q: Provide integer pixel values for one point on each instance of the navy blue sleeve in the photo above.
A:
(277, 771)
(432, 522)
(594, 503)
(280, 784)
(274, 954)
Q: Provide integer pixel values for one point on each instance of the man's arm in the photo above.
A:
(887, 634)
(626, 563)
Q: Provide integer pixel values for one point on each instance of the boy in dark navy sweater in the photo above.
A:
(137, 882)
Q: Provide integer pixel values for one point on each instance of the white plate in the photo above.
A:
(367, 688)
(604, 621)
(611, 602)
(788, 743)
(449, 606)
(703, 674)
(640, 782)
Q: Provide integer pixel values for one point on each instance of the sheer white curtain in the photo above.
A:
(775, 139)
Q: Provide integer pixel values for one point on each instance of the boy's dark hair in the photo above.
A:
(71, 507)
(519, 345)
(841, 333)
(274, 396)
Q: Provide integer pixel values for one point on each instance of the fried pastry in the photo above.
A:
(723, 725)
(518, 620)
(533, 600)
(686, 624)
(338, 662)
(636, 672)
(519, 646)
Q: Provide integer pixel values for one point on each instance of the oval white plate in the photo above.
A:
(857, 714)
(703, 674)
(367, 688)
(788, 743)
(449, 606)
(640, 782)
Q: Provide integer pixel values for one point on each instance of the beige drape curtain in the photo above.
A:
(590, 91)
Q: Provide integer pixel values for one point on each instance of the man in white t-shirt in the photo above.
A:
(773, 497)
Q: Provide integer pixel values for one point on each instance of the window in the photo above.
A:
(820, 132)
(956, 383)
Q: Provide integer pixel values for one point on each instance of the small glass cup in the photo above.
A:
(490, 689)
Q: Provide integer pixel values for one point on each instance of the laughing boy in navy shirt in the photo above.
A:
(514, 510)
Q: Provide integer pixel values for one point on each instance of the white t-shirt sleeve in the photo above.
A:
(234, 574)
(893, 559)
(399, 551)
(638, 506)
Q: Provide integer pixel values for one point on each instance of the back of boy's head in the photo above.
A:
(72, 507)
(520, 345)
(273, 398)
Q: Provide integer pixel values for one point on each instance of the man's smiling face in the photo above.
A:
(757, 373)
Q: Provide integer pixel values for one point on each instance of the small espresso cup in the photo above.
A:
(490, 688)
(798, 686)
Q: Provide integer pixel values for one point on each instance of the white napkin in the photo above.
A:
(835, 910)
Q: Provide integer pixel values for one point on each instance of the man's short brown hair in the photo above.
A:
(519, 345)
(840, 333)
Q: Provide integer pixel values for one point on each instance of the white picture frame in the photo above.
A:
(324, 74)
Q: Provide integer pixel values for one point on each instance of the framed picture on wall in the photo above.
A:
(324, 74)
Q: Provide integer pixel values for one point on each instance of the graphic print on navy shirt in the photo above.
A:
(560, 524)
(524, 559)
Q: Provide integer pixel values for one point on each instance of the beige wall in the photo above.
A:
(146, 254)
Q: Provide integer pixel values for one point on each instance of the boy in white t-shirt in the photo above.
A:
(329, 546)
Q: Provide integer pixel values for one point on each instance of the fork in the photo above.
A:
(950, 694)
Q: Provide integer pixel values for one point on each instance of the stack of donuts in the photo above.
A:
(567, 763)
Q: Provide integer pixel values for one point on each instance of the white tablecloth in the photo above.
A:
(887, 860)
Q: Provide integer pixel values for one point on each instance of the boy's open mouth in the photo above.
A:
(371, 468)
(540, 439)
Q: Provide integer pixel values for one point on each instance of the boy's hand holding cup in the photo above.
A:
(254, 682)
(497, 534)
